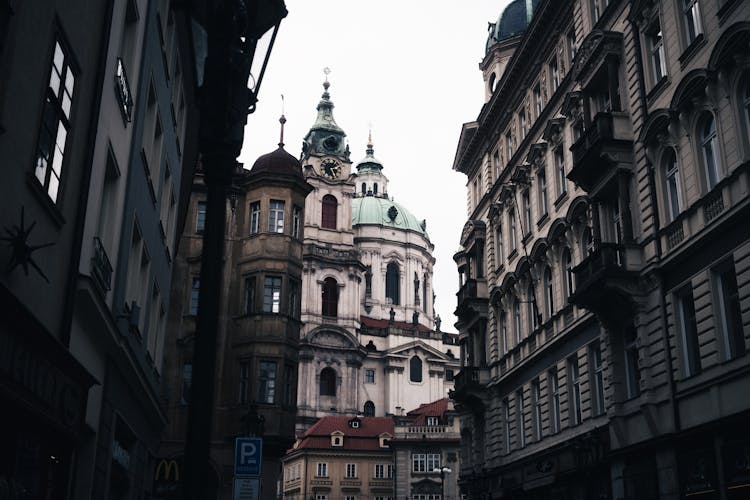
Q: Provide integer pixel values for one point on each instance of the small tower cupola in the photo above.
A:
(325, 136)
(372, 182)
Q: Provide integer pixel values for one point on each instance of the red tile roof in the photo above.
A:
(383, 323)
(364, 437)
(435, 409)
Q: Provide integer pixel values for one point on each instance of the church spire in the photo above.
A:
(325, 136)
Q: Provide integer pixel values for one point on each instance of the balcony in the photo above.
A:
(606, 281)
(431, 432)
(472, 301)
(101, 269)
(606, 146)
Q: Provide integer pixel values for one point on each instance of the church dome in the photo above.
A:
(371, 210)
(513, 20)
(369, 163)
(278, 162)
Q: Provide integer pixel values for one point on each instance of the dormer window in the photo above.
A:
(432, 421)
(355, 423)
(337, 439)
(385, 440)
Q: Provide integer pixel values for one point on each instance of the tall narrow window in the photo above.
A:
(327, 382)
(512, 224)
(416, 288)
(375, 188)
(330, 297)
(554, 75)
(249, 295)
(532, 310)
(368, 282)
(496, 164)
(537, 100)
(55, 125)
(536, 401)
(271, 294)
(693, 23)
(200, 217)
(595, 356)
(499, 250)
(290, 396)
(276, 217)
(267, 382)
(364, 188)
(522, 124)
(328, 212)
(672, 179)
(526, 197)
(506, 424)
(296, 218)
(509, 145)
(254, 217)
(542, 188)
(415, 369)
(424, 293)
(244, 381)
(194, 292)
(727, 309)
(392, 283)
(572, 45)
(574, 378)
(187, 382)
(517, 320)
(567, 268)
(560, 169)
(688, 332)
(549, 292)
(520, 418)
(554, 401)
(294, 299)
(504, 331)
(632, 370)
(656, 46)
(710, 147)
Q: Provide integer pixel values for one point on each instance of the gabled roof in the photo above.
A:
(435, 409)
(365, 437)
(419, 345)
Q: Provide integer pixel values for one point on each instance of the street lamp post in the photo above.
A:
(233, 28)
(442, 471)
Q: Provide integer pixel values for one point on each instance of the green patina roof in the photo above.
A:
(387, 213)
(369, 163)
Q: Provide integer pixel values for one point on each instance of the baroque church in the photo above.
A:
(370, 342)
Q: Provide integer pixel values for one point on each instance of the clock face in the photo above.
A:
(331, 168)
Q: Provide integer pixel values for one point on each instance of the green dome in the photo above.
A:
(387, 213)
(513, 21)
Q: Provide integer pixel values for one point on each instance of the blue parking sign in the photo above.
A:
(248, 455)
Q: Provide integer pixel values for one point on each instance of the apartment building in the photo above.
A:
(603, 261)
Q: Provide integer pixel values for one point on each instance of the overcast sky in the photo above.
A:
(408, 69)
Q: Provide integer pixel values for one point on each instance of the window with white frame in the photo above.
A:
(55, 126)
(276, 216)
(672, 184)
(536, 401)
(537, 100)
(595, 356)
(553, 384)
(369, 376)
(520, 419)
(655, 40)
(574, 378)
(267, 382)
(522, 124)
(693, 22)
(710, 149)
(554, 75)
(380, 471)
(509, 145)
(350, 497)
(271, 294)
(560, 169)
(727, 309)
(351, 470)
(254, 217)
(425, 462)
(432, 421)
(322, 470)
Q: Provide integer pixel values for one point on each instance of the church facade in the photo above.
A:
(370, 342)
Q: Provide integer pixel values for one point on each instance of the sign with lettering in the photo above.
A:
(246, 488)
(248, 455)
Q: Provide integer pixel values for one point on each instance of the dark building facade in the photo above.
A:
(603, 308)
(259, 332)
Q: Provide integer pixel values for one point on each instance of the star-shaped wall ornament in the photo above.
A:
(20, 249)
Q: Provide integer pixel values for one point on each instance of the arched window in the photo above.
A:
(328, 218)
(375, 188)
(672, 184)
(364, 188)
(391, 283)
(567, 266)
(369, 409)
(710, 148)
(549, 292)
(415, 369)
(327, 382)
(330, 297)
